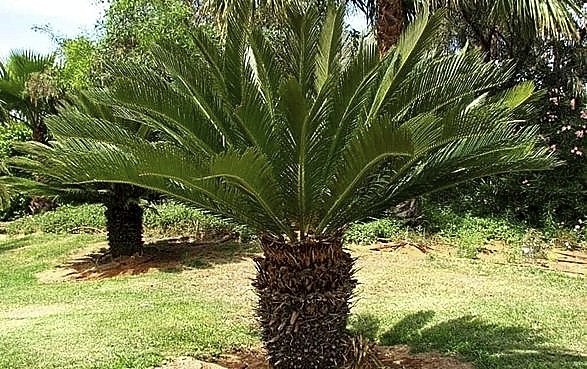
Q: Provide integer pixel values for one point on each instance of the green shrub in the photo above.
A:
(178, 219)
(167, 219)
(368, 233)
(470, 233)
(65, 219)
(11, 133)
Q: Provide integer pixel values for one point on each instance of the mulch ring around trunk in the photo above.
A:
(169, 255)
(393, 357)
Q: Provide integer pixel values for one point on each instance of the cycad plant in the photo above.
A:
(123, 213)
(299, 140)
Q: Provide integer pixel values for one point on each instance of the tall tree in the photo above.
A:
(29, 90)
(298, 141)
(489, 20)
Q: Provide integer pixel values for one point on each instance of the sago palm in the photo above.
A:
(297, 141)
(123, 213)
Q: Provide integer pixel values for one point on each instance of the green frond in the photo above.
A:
(302, 37)
(547, 18)
(330, 45)
(238, 22)
(413, 46)
(301, 137)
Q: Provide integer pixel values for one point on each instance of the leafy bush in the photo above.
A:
(368, 233)
(178, 219)
(471, 232)
(66, 219)
(167, 219)
(9, 134)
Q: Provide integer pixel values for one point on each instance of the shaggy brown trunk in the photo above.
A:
(389, 23)
(304, 292)
(40, 204)
(124, 224)
(41, 132)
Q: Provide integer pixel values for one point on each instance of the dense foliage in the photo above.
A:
(80, 60)
(167, 219)
(29, 90)
(555, 59)
(127, 31)
(13, 204)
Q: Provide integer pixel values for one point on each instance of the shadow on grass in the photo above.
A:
(169, 256)
(16, 243)
(486, 345)
(186, 253)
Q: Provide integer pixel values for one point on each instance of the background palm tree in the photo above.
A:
(489, 20)
(29, 90)
(298, 140)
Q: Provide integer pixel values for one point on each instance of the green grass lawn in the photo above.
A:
(496, 316)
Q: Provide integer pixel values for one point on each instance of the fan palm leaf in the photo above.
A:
(547, 18)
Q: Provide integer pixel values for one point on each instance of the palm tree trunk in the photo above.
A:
(304, 293)
(124, 224)
(40, 133)
(40, 204)
(389, 23)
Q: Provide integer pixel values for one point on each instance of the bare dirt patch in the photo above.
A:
(188, 363)
(395, 357)
(399, 357)
(170, 255)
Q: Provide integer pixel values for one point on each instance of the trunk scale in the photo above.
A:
(304, 290)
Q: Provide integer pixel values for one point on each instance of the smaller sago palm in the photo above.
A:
(123, 213)
(298, 140)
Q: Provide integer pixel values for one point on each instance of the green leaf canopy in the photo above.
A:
(300, 138)
(15, 73)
